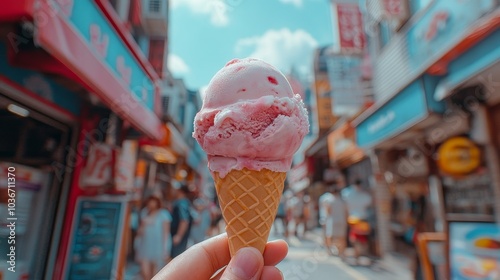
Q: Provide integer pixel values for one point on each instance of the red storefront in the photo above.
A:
(73, 67)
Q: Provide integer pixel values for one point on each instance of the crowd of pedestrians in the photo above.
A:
(162, 229)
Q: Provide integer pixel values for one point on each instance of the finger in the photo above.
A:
(275, 252)
(271, 273)
(247, 264)
(218, 274)
(200, 261)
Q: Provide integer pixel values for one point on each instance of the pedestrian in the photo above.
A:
(152, 243)
(325, 212)
(337, 222)
(306, 212)
(201, 223)
(296, 208)
(215, 218)
(181, 219)
(280, 219)
(359, 203)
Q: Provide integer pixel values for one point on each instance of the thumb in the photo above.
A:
(247, 264)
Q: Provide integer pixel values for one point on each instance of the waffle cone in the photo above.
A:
(249, 201)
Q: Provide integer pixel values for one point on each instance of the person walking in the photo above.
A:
(358, 203)
(152, 243)
(325, 212)
(181, 219)
(337, 222)
(201, 222)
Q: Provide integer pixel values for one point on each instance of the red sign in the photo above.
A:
(99, 168)
(156, 55)
(393, 8)
(351, 35)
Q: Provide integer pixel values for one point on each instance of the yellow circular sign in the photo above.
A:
(458, 156)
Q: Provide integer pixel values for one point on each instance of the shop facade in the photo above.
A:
(431, 134)
(76, 94)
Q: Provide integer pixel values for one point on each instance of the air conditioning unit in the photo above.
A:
(155, 17)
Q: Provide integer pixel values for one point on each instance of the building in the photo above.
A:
(434, 73)
(79, 94)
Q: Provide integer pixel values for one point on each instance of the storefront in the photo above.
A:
(468, 163)
(72, 120)
(435, 138)
(391, 137)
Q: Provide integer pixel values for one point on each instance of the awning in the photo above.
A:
(342, 148)
(411, 107)
(90, 46)
(471, 65)
(178, 143)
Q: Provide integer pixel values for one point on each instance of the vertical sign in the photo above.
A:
(125, 166)
(96, 239)
(395, 9)
(156, 54)
(349, 28)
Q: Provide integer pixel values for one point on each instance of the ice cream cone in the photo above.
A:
(249, 201)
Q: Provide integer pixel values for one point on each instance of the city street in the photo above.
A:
(307, 259)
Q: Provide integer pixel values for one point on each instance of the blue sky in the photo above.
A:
(205, 34)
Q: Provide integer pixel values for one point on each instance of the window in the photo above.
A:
(154, 6)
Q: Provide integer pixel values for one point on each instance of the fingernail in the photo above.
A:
(246, 263)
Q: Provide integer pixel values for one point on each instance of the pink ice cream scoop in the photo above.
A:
(250, 118)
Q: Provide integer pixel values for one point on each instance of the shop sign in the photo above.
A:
(109, 63)
(99, 168)
(458, 156)
(125, 166)
(95, 248)
(474, 250)
(395, 9)
(349, 29)
(324, 103)
(101, 36)
(441, 27)
(401, 112)
(349, 88)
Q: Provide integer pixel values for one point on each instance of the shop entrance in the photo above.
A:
(33, 149)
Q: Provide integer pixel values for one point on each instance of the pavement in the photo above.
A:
(307, 259)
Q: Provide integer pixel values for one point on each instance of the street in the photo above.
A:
(307, 259)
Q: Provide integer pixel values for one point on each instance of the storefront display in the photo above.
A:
(96, 239)
(474, 251)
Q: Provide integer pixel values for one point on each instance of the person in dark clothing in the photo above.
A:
(181, 220)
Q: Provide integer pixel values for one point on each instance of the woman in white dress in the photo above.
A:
(153, 241)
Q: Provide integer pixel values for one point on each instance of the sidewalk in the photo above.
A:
(388, 263)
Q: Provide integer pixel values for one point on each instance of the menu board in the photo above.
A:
(96, 238)
(471, 195)
(474, 251)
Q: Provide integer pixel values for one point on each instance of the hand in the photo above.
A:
(204, 259)
(176, 239)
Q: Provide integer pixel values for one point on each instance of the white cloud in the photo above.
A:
(282, 48)
(177, 65)
(217, 10)
(297, 3)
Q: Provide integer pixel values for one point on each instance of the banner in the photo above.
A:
(348, 26)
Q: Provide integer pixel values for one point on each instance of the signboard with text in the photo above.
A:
(348, 26)
(348, 85)
(442, 26)
(96, 237)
